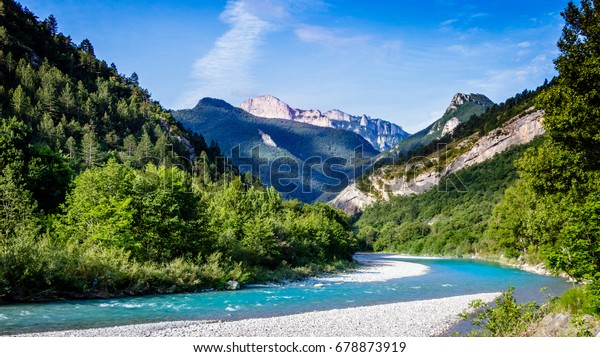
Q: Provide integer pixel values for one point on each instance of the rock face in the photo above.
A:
(268, 107)
(461, 98)
(518, 130)
(351, 199)
(450, 126)
(380, 133)
(266, 138)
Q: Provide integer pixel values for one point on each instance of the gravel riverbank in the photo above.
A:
(414, 318)
(375, 267)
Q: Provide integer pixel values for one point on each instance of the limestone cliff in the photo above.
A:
(518, 130)
(380, 133)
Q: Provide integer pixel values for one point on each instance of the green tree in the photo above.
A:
(90, 149)
(17, 209)
(564, 172)
(20, 102)
(14, 142)
(71, 147)
(99, 210)
(67, 99)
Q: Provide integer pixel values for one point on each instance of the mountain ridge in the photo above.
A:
(382, 134)
(461, 108)
(512, 123)
(259, 143)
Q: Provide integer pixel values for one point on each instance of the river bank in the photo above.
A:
(415, 318)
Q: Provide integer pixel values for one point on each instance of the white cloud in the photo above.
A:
(500, 83)
(326, 36)
(448, 22)
(226, 68)
(524, 44)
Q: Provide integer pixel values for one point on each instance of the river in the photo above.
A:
(445, 278)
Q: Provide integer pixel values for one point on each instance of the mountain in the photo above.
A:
(461, 108)
(318, 161)
(441, 199)
(382, 134)
(515, 122)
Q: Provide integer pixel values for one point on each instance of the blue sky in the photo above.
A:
(398, 60)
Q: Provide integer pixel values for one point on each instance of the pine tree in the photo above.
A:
(71, 147)
(67, 99)
(90, 149)
(20, 102)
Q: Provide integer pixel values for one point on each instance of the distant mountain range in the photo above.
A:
(321, 153)
(300, 160)
(382, 134)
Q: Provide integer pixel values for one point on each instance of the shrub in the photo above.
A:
(508, 318)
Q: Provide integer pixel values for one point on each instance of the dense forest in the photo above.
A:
(535, 204)
(103, 193)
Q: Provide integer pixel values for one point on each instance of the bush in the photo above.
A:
(581, 300)
(508, 318)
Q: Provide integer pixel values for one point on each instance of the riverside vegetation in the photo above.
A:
(103, 193)
(543, 207)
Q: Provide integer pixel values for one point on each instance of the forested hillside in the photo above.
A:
(553, 212)
(103, 193)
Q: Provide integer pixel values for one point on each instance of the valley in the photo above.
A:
(117, 210)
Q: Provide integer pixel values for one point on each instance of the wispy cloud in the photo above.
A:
(226, 68)
(524, 44)
(448, 22)
(327, 36)
(497, 82)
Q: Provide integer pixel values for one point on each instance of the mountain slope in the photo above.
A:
(440, 200)
(462, 107)
(380, 133)
(266, 147)
(512, 123)
(447, 220)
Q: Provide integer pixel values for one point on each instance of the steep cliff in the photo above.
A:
(380, 133)
(418, 176)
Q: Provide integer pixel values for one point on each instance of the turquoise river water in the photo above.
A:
(446, 277)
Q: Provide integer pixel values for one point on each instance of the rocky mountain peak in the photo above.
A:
(337, 114)
(380, 133)
(461, 98)
(268, 106)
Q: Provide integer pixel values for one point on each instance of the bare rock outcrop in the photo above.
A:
(381, 134)
(517, 131)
